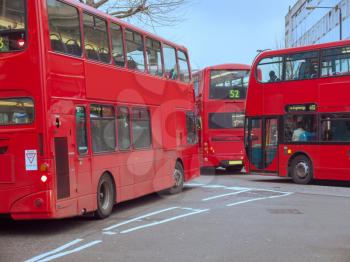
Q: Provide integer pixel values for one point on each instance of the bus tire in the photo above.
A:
(179, 178)
(235, 169)
(105, 196)
(301, 170)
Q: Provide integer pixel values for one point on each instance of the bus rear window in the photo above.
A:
(226, 120)
(16, 111)
(12, 25)
(228, 84)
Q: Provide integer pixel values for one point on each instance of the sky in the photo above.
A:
(228, 31)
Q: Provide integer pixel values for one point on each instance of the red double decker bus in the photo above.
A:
(220, 99)
(298, 117)
(93, 111)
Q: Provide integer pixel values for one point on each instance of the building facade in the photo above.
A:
(305, 26)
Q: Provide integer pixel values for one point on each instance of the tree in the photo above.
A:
(149, 12)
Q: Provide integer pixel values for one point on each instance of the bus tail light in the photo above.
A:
(21, 43)
(206, 147)
(212, 151)
(44, 167)
(43, 178)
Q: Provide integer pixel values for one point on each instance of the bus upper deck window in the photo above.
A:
(12, 25)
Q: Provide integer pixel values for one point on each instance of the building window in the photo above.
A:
(81, 134)
(102, 128)
(141, 127)
(64, 26)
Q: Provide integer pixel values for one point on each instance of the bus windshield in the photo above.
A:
(228, 84)
(12, 25)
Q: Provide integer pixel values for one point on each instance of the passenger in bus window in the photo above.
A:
(273, 77)
(299, 134)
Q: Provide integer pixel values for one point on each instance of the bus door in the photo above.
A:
(262, 144)
(82, 155)
(64, 159)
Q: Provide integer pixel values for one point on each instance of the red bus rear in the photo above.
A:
(298, 118)
(220, 99)
(93, 111)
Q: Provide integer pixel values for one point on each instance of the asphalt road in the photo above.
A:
(217, 218)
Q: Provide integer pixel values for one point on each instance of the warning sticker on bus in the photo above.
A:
(31, 157)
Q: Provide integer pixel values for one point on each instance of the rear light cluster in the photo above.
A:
(44, 167)
(208, 149)
(21, 43)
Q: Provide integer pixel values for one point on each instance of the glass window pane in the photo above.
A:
(117, 45)
(226, 120)
(335, 128)
(16, 111)
(12, 25)
(123, 118)
(141, 128)
(154, 57)
(300, 128)
(270, 69)
(183, 67)
(191, 127)
(335, 62)
(134, 51)
(170, 62)
(96, 39)
(228, 84)
(81, 136)
(64, 25)
(302, 66)
(102, 128)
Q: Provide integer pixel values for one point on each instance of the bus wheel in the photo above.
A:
(236, 169)
(105, 197)
(179, 178)
(301, 170)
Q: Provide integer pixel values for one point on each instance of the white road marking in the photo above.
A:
(59, 249)
(224, 195)
(256, 199)
(93, 243)
(139, 218)
(164, 221)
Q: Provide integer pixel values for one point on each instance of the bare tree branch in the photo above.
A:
(149, 12)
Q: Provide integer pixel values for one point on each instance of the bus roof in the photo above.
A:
(300, 49)
(122, 23)
(228, 66)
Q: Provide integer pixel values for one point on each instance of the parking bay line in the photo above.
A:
(107, 231)
(56, 253)
(224, 195)
(93, 243)
(59, 249)
(257, 199)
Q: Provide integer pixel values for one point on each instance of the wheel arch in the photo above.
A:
(296, 154)
(110, 174)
